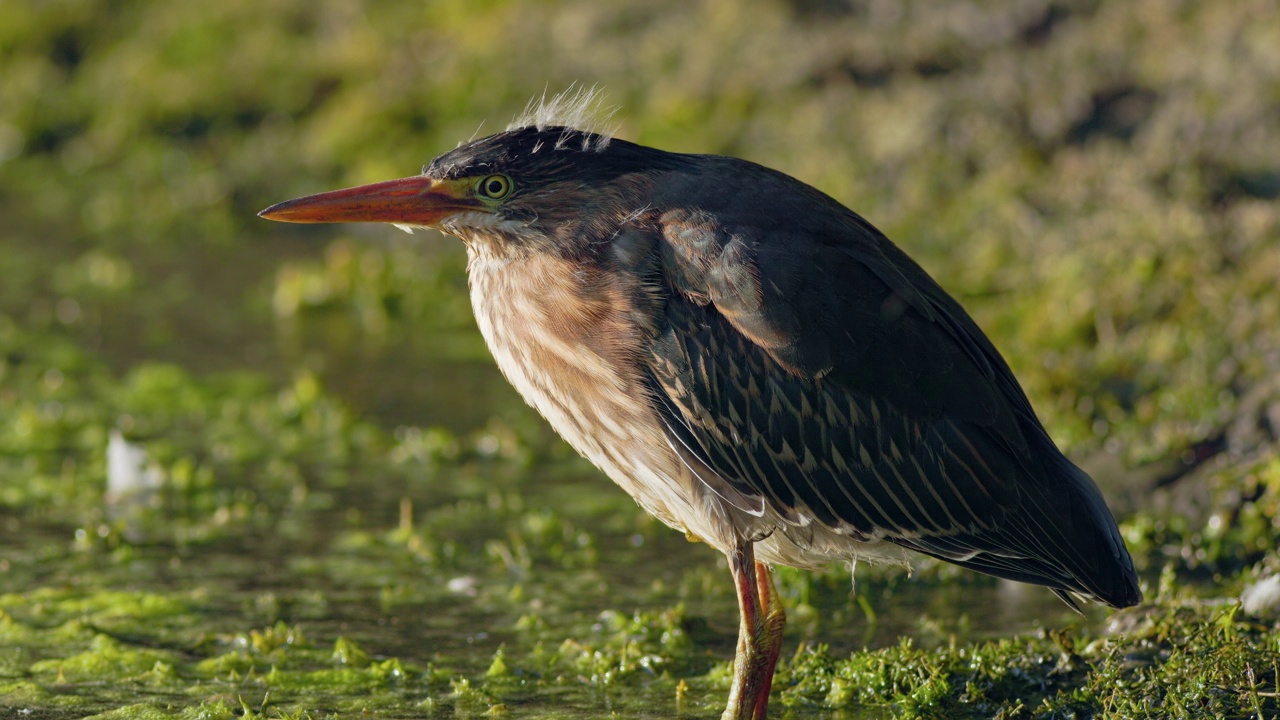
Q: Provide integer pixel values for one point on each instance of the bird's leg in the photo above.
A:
(759, 636)
(775, 621)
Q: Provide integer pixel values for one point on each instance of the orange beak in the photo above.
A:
(408, 201)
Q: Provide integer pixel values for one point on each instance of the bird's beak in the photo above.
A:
(418, 200)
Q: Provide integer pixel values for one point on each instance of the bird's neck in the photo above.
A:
(554, 326)
(563, 334)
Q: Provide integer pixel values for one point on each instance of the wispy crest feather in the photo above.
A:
(577, 108)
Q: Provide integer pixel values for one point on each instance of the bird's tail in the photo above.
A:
(1100, 563)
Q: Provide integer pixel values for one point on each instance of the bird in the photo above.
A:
(757, 365)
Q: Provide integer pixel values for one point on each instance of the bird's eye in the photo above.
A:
(495, 187)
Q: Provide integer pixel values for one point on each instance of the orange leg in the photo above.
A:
(759, 636)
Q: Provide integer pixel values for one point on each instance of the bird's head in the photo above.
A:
(523, 190)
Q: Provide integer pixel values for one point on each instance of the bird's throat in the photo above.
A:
(561, 336)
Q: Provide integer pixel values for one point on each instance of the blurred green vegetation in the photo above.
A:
(1097, 182)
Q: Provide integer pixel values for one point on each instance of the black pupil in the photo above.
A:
(496, 186)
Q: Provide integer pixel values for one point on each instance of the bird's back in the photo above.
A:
(807, 360)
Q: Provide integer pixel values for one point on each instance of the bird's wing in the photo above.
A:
(822, 370)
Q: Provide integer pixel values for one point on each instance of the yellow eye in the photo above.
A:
(494, 187)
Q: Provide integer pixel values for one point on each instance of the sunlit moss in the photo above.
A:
(1094, 181)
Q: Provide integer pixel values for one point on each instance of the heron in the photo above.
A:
(757, 365)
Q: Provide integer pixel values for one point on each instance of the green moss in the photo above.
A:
(29, 694)
(1177, 663)
(356, 515)
(144, 711)
(106, 658)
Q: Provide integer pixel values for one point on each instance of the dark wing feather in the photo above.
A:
(816, 366)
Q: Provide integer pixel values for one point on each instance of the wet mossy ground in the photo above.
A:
(342, 510)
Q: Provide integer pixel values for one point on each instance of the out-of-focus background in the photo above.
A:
(322, 498)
